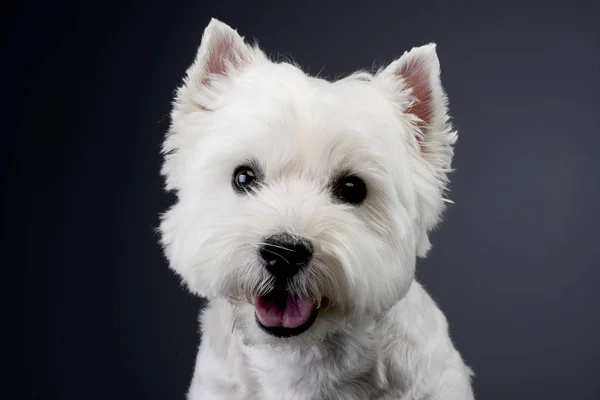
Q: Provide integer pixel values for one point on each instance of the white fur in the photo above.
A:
(381, 336)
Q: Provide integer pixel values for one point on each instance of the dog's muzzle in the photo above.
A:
(279, 312)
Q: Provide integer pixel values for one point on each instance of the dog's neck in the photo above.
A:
(351, 360)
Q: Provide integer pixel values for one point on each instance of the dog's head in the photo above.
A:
(303, 202)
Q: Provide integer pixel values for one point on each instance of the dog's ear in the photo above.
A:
(221, 55)
(416, 90)
(419, 92)
(222, 51)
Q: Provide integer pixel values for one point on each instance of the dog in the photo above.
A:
(302, 207)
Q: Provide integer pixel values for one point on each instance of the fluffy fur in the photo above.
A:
(380, 336)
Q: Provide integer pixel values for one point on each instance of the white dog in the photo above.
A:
(302, 207)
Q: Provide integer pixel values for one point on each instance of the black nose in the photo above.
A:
(284, 255)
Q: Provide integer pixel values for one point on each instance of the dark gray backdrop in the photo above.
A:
(91, 307)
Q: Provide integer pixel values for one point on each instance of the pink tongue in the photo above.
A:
(291, 313)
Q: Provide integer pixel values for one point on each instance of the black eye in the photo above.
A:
(350, 189)
(244, 179)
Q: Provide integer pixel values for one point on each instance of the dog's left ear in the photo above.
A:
(416, 90)
(419, 94)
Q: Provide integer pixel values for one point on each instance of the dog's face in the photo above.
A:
(302, 202)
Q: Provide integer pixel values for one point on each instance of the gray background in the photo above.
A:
(94, 311)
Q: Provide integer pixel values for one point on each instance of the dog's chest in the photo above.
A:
(340, 372)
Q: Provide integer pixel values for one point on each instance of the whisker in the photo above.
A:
(276, 254)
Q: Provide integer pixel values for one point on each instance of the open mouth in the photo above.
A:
(282, 314)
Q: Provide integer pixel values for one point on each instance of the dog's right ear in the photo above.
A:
(222, 54)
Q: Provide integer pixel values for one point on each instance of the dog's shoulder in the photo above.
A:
(419, 354)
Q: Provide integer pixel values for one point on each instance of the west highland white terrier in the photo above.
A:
(302, 206)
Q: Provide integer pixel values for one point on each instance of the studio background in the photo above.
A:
(91, 308)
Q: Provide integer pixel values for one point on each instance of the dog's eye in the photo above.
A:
(244, 178)
(350, 189)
